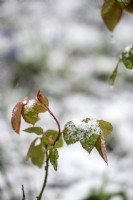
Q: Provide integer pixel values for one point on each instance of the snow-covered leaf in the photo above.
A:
(86, 131)
(90, 133)
(88, 143)
(30, 112)
(54, 157)
(70, 133)
(127, 57)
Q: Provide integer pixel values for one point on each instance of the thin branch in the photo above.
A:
(57, 122)
(45, 179)
(23, 198)
(48, 156)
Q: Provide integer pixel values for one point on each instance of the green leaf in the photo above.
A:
(70, 133)
(101, 148)
(88, 143)
(52, 134)
(111, 13)
(36, 154)
(29, 153)
(86, 131)
(45, 141)
(31, 109)
(112, 77)
(30, 113)
(36, 130)
(127, 57)
(106, 127)
(54, 157)
(90, 134)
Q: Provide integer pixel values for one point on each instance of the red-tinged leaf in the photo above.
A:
(101, 148)
(40, 107)
(111, 13)
(16, 117)
(42, 99)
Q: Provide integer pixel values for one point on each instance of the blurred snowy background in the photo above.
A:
(63, 48)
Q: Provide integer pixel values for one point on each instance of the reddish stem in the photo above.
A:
(57, 122)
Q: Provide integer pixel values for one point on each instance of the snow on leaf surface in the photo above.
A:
(85, 132)
(54, 157)
(30, 112)
(127, 57)
(70, 133)
(90, 133)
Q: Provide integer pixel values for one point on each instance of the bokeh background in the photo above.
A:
(63, 48)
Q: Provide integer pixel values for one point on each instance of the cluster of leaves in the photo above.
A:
(39, 153)
(112, 11)
(89, 132)
(44, 145)
(126, 58)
